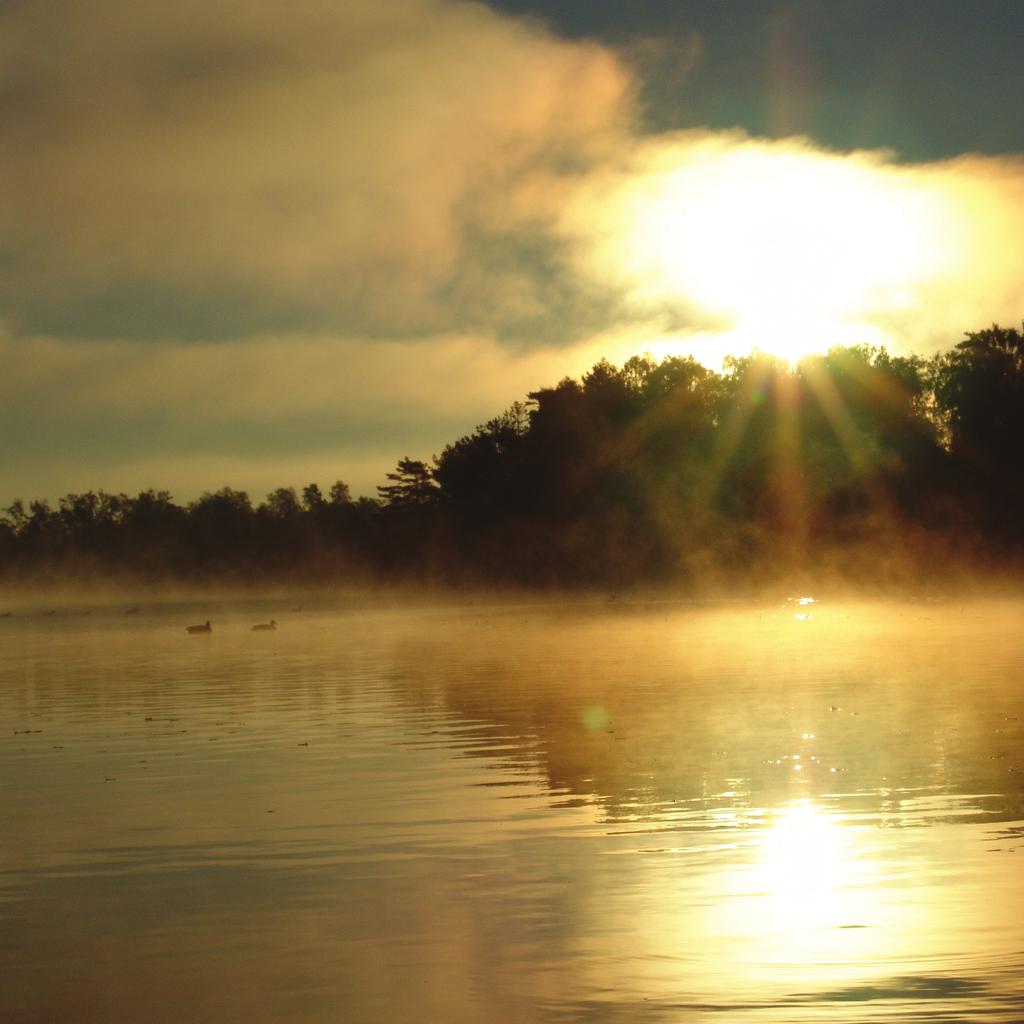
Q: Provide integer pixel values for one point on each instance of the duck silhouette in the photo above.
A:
(263, 627)
(204, 628)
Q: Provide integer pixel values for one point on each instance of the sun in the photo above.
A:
(791, 250)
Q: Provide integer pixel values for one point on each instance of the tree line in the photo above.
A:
(855, 462)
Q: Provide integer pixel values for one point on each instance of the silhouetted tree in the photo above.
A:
(412, 486)
(312, 498)
(654, 470)
(979, 396)
(340, 494)
(220, 530)
(16, 516)
(478, 475)
(283, 504)
(154, 538)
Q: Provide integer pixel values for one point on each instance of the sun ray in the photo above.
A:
(732, 431)
(791, 497)
(850, 439)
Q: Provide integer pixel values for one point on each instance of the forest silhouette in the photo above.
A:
(857, 464)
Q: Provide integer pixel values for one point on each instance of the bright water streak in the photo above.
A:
(640, 813)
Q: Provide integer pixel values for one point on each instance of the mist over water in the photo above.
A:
(614, 811)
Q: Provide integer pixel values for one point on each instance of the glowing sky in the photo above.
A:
(261, 244)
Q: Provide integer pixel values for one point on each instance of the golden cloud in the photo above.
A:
(122, 415)
(367, 208)
(322, 160)
(790, 247)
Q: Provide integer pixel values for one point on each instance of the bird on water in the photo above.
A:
(264, 626)
(204, 628)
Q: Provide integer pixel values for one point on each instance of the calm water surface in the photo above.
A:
(593, 814)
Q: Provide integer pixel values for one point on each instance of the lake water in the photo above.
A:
(605, 813)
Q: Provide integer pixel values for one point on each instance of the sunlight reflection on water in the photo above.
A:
(657, 812)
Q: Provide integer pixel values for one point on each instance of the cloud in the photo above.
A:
(207, 168)
(211, 171)
(122, 415)
(253, 244)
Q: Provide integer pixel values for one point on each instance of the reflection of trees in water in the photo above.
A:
(662, 716)
(656, 713)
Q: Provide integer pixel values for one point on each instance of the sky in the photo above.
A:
(262, 244)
